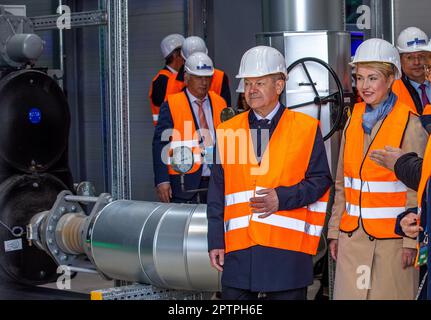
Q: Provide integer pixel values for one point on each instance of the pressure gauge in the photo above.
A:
(182, 159)
(227, 114)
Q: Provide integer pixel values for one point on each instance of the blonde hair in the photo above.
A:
(387, 69)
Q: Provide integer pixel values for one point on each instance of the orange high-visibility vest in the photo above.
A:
(427, 110)
(284, 163)
(175, 86)
(217, 82)
(425, 176)
(403, 94)
(184, 131)
(373, 193)
(155, 110)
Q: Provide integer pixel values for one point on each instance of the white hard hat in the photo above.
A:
(199, 64)
(170, 43)
(191, 45)
(427, 47)
(411, 39)
(240, 88)
(261, 61)
(378, 50)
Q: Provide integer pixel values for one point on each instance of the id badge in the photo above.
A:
(422, 254)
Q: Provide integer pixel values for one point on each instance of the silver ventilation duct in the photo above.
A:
(303, 15)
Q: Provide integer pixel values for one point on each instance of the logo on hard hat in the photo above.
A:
(416, 41)
(204, 67)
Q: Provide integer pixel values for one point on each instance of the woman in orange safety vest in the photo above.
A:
(373, 262)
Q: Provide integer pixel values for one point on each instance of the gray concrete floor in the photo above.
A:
(313, 289)
(85, 283)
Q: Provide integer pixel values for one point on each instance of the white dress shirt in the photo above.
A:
(416, 85)
(206, 172)
(270, 115)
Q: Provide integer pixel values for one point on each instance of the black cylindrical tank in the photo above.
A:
(22, 197)
(34, 121)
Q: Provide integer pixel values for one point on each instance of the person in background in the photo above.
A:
(220, 80)
(413, 88)
(171, 51)
(241, 104)
(373, 262)
(192, 114)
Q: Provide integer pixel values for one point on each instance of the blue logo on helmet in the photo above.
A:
(204, 67)
(416, 41)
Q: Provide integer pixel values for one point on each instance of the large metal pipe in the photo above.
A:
(154, 243)
(303, 15)
(161, 244)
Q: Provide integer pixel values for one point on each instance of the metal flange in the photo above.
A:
(49, 225)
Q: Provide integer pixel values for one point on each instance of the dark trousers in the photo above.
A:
(199, 197)
(229, 293)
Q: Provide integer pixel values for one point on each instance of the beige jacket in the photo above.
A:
(358, 254)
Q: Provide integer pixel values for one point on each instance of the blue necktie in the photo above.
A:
(262, 124)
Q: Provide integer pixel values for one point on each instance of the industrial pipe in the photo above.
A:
(154, 243)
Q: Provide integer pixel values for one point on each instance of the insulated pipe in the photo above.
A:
(303, 15)
(161, 244)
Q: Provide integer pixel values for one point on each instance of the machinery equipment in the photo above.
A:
(319, 85)
(160, 244)
(33, 161)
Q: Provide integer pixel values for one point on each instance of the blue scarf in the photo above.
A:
(373, 115)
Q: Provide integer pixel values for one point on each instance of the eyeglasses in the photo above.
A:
(412, 58)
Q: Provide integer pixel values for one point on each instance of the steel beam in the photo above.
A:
(118, 57)
(78, 19)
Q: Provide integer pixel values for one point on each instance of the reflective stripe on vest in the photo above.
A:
(241, 197)
(274, 219)
(296, 230)
(184, 131)
(277, 221)
(372, 192)
(244, 197)
(155, 110)
(373, 213)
